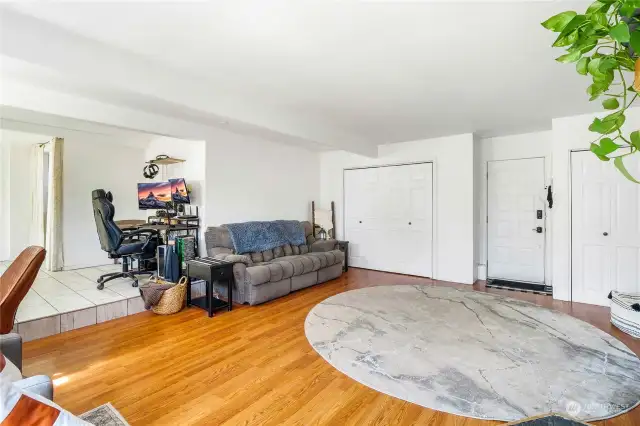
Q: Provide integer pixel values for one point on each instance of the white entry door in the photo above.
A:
(605, 229)
(515, 216)
(388, 218)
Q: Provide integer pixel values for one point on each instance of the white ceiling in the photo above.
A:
(328, 72)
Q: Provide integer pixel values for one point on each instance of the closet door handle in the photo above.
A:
(409, 223)
(605, 233)
(359, 221)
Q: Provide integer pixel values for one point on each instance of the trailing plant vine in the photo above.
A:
(604, 43)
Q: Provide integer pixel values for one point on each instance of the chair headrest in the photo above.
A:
(98, 193)
(109, 196)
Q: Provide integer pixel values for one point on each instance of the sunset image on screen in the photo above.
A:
(179, 186)
(179, 192)
(154, 195)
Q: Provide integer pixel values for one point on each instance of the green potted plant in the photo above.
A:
(604, 44)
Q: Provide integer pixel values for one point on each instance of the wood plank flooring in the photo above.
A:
(251, 366)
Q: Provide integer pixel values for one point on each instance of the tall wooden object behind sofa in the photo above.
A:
(331, 233)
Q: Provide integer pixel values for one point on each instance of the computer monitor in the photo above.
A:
(179, 192)
(154, 195)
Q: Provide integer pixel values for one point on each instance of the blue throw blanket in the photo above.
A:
(249, 237)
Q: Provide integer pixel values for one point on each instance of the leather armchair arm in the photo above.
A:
(323, 245)
(11, 347)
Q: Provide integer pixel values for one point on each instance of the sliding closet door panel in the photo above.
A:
(388, 218)
(625, 228)
(361, 202)
(605, 229)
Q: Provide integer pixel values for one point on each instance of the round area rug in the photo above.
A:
(474, 354)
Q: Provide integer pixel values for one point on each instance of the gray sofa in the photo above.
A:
(260, 277)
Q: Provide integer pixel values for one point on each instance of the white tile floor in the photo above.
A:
(73, 296)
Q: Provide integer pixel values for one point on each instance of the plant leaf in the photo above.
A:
(558, 22)
(597, 6)
(620, 166)
(635, 139)
(611, 103)
(627, 9)
(594, 66)
(597, 151)
(620, 33)
(573, 25)
(610, 123)
(607, 146)
(569, 57)
(581, 66)
(635, 41)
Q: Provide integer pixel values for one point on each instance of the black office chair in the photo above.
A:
(127, 245)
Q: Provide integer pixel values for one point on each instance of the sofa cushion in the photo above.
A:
(278, 252)
(304, 249)
(288, 251)
(268, 272)
(291, 266)
(257, 257)
(267, 255)
(328, 258)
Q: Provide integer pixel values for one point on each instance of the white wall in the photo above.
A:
(20, 198)
(570, 134)
(5, 224)
(16, 174)
(527, 145)
(91, 162)
(252, 179)
(452, 159)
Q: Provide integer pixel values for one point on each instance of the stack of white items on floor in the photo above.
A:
(625, 312)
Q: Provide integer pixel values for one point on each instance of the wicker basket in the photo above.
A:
(172, 300)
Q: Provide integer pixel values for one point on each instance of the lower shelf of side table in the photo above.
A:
(216, 303)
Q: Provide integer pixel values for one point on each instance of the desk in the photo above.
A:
(129, 223)
(181, 230)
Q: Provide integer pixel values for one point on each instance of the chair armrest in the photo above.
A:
(11, 347)
(40, 385)
(323, 245)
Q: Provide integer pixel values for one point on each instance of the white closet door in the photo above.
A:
(605, 229)
(515, 234)
(388, 218)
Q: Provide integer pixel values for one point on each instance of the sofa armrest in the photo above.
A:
(40, 385)
(323, 245)
(11, 347)
(214, 251)
(235, 258)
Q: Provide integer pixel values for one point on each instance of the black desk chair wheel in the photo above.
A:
(129, 245)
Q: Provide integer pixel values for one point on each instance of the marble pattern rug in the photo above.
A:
(474, 354)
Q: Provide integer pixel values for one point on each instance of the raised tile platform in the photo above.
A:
(63, 301)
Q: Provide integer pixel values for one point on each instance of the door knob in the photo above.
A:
(538, 229)
(409, 223)
(359, 221)
(605, 233)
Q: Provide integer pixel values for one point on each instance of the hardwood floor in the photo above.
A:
(251, 366)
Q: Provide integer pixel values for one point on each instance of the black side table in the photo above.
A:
(210, 270)
(344, 247)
